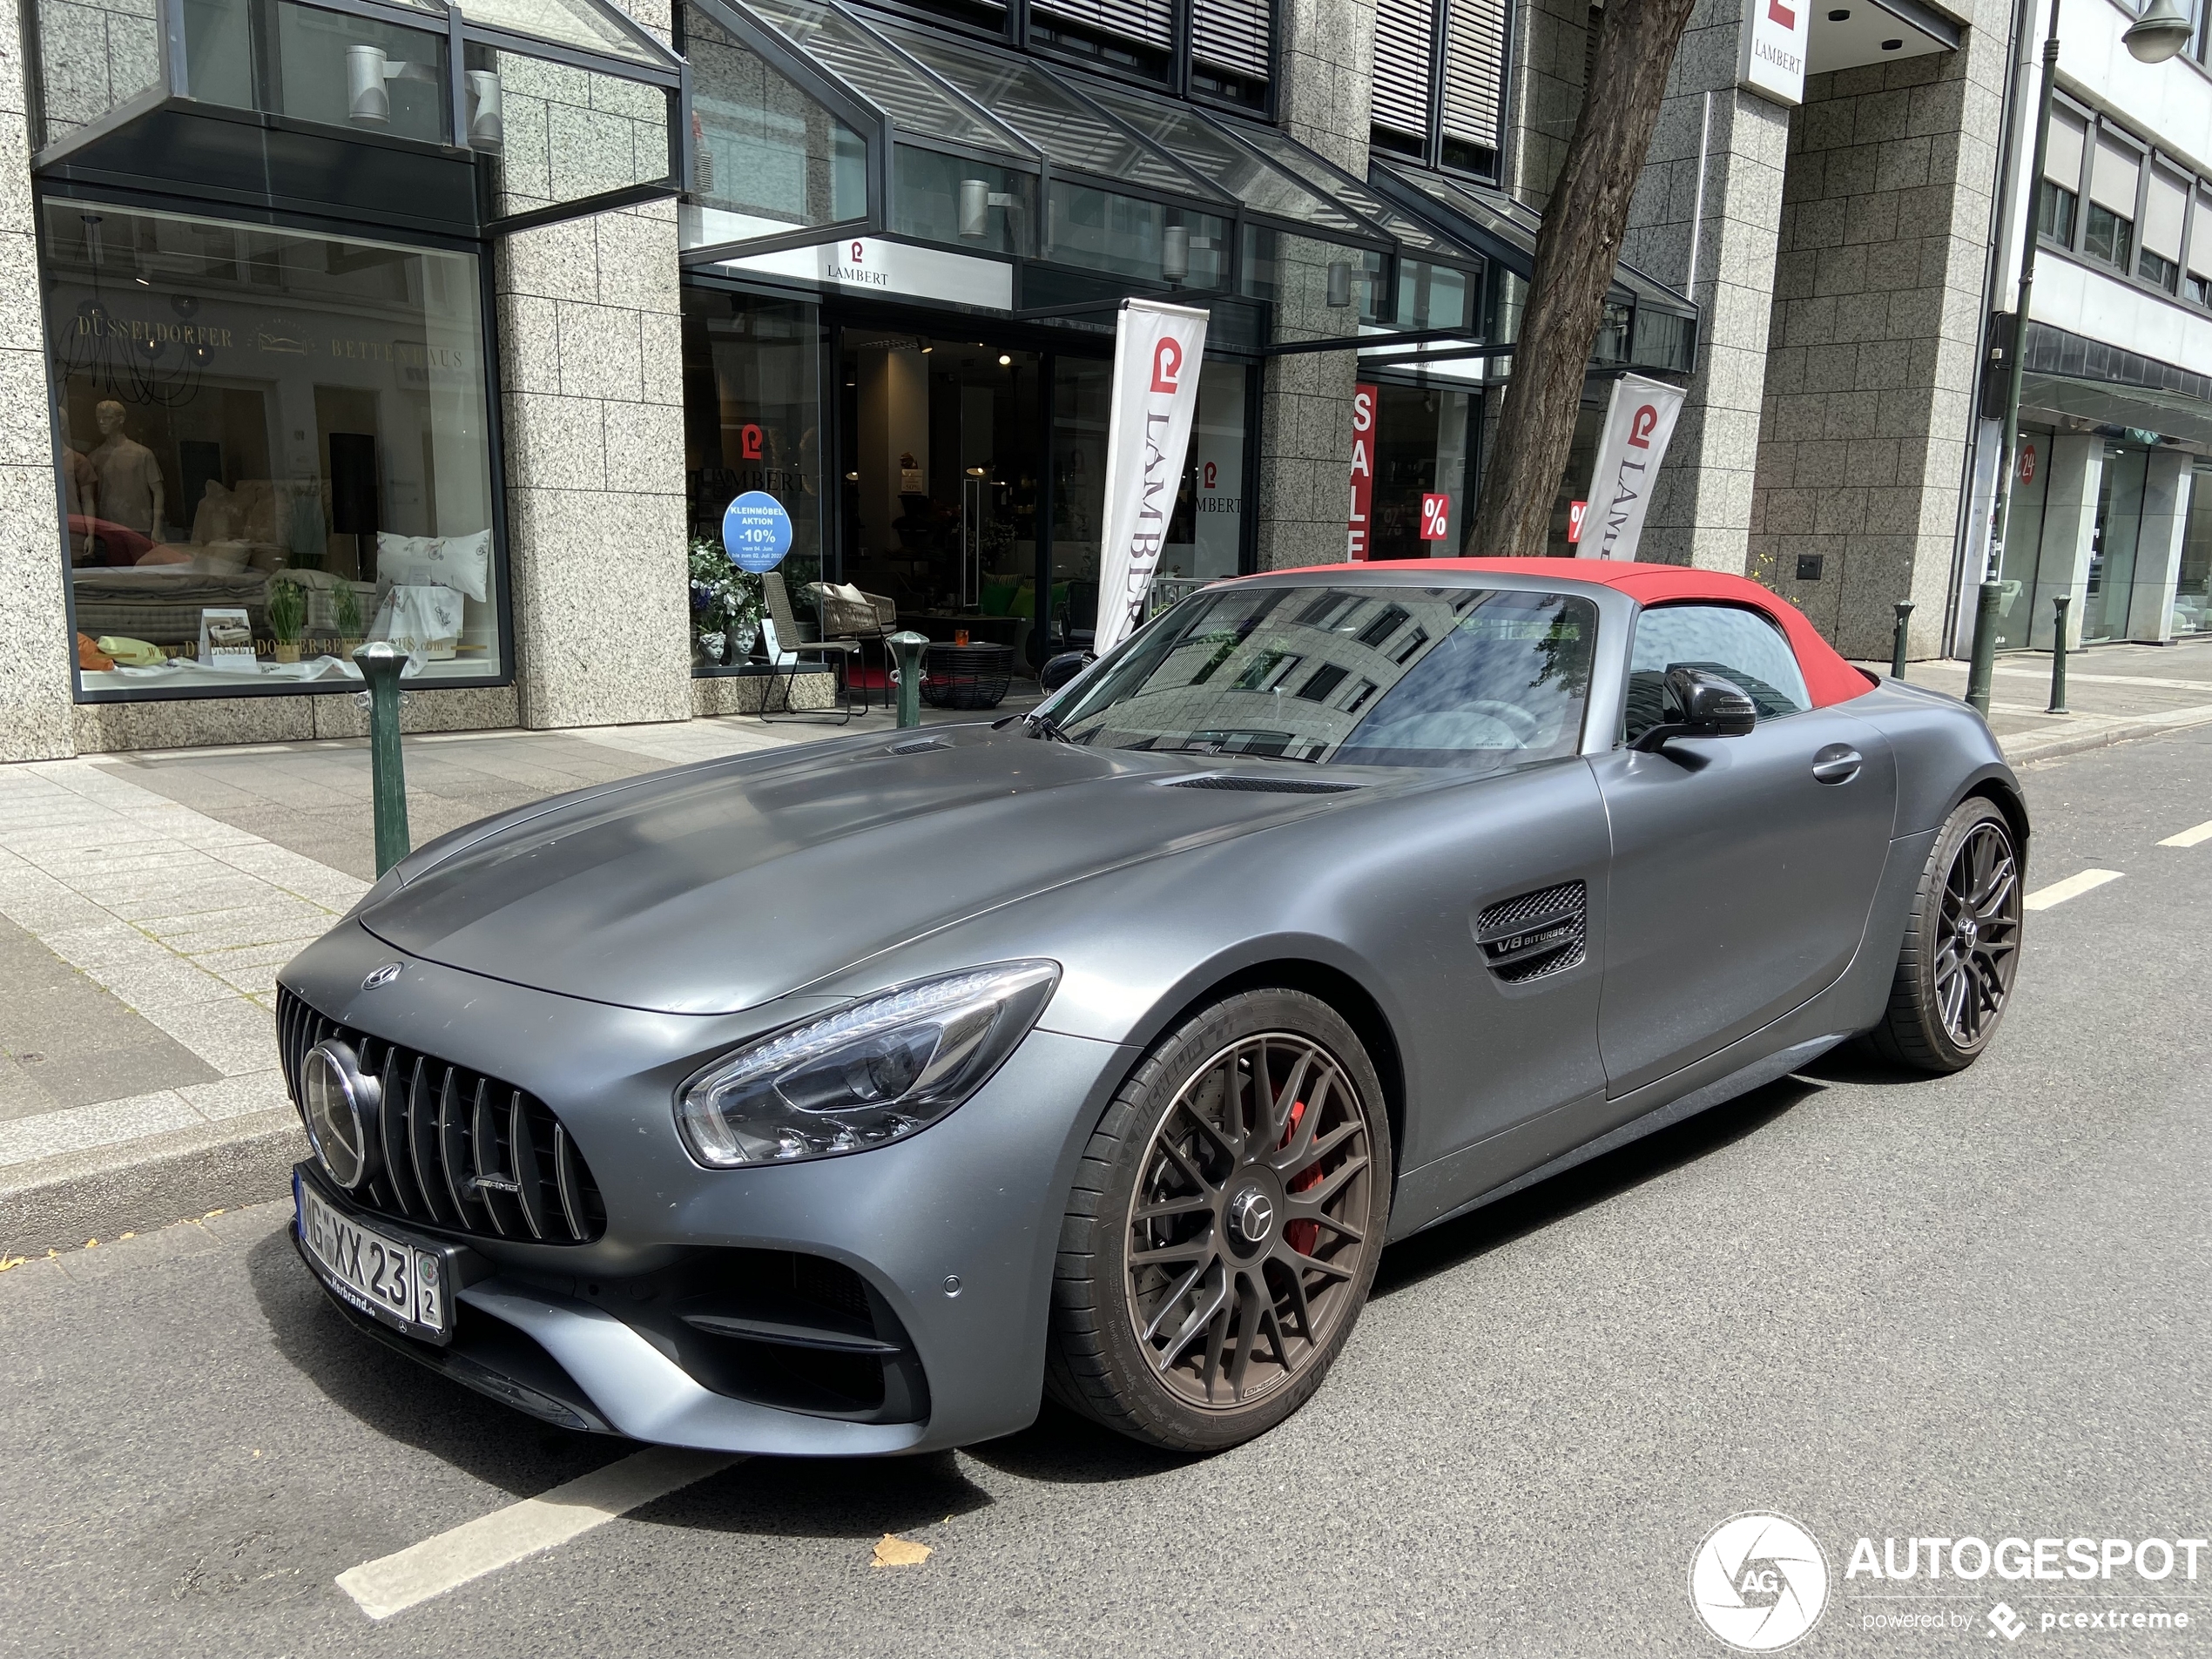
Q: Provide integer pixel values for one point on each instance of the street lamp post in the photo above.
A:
(2162, 31)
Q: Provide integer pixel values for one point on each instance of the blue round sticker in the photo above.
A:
(756, 531)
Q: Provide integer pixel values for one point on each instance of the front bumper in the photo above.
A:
(949, 1235)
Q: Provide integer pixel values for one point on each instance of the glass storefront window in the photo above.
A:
(275, 444)
(753, 420)
(765, 157)
(93, 55)
(2016, 589)
(2112, 555)
(1206, 535)
(1420, 449)
(2193, 590)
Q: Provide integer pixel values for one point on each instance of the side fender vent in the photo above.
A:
(1537, 934)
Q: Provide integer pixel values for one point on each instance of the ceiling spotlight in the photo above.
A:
(1839, 17)
(1004, 360)
(1892, 46)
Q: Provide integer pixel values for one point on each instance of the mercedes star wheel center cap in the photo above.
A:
(1251, 1215)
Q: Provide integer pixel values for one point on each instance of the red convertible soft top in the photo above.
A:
(1829, 678)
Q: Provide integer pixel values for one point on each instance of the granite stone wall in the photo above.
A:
(1871, 380)
(1305, 489)
(1701, 506)
(35, 690)
(1551, 42)
(591, 381)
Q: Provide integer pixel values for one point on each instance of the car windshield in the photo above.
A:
(1473, 678)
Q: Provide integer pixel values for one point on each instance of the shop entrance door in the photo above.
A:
(943, 440)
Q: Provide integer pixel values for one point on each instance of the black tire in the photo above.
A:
(1291, 1203)
(1954, 973)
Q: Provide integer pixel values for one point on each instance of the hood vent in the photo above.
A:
(918, 746)
(1259, 786)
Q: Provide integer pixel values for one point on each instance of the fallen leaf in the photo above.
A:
(130, 1235)
(91, 1243)
(7, 1262)
(895, 1551)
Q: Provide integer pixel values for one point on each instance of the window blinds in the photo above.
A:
(1232, 35)
(2166, 204)
(1149, 23)
(2201, 238)
(1474, 68)
(1405, 33)
(2063, 155)
(2113, 175)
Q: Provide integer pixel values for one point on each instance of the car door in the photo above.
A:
(1743, 867)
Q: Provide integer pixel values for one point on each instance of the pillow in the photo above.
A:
(462, 563)
(997, 597)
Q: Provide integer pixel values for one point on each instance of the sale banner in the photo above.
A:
(1157, 352)
(1436, 517)
(1360, 537)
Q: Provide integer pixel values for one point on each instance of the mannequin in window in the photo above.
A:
(81, 492)
(130, 477)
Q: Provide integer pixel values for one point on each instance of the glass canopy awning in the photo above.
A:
(815, 124)
(487, 115)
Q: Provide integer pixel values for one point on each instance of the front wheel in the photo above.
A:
(1954, 975)
(1223, 1229)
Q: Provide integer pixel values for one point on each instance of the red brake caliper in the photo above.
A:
(1301, 1235)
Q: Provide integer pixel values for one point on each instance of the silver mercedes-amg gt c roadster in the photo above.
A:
(848, 1099)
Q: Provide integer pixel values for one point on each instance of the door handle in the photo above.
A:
(1838, 764)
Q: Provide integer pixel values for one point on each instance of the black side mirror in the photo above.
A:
(1711, 707)
(1058, 670)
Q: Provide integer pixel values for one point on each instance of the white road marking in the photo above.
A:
(2073, 888)
(2190, 836)
(469, 1551)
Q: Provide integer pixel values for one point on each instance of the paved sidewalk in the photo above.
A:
(2116, 692)
(147, 901)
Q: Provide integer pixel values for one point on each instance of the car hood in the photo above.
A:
(715, 889)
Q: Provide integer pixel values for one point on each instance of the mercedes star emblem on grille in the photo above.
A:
(383, 975)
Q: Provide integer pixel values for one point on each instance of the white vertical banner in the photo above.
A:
(1639, 423)
(1157, 352)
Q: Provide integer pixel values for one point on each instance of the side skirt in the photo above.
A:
(1756, 1074)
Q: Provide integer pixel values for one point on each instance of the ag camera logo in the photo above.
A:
(1758, 1583)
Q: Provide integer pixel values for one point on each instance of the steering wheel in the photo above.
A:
(1516, 720)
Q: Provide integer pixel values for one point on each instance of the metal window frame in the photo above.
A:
(495, 436)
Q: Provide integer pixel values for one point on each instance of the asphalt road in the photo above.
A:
(1887, 1309)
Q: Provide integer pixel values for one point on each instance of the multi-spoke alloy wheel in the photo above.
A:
(1954, 975)
(1223, 1233)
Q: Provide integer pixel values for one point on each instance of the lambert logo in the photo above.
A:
(1758, 1583)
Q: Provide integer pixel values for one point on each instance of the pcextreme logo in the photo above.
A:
(1758, 1583)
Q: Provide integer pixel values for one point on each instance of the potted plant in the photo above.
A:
(725, 606)
(346, 606)
(287, 615)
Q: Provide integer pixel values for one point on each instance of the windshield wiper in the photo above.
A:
(1041, 724)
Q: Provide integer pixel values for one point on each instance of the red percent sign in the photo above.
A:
(1436, 514)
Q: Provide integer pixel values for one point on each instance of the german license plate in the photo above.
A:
(399, 1281)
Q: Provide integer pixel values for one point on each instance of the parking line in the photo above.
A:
(416, 1574)
(2190, 836)
(2073, 888)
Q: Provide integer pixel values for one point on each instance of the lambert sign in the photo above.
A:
(1772, 61)
(1157, 352)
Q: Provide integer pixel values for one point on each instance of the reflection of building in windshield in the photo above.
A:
(1391, 676)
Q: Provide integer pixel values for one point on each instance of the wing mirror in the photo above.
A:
(1058, 670)
(1711, 707)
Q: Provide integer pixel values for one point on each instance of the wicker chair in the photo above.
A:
(792, 643)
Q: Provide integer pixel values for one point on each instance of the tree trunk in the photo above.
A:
(1575, 253)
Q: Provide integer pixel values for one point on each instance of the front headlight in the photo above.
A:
(865, 1076)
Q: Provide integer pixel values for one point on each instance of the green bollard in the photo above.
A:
(1897, 645)
(379, 666)
(2058, 655)
(1984, 662)
(908, 645)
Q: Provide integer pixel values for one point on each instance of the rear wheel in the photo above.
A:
(1224, 1229)
(1954, 975)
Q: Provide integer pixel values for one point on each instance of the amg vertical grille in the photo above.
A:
(460, 1150)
